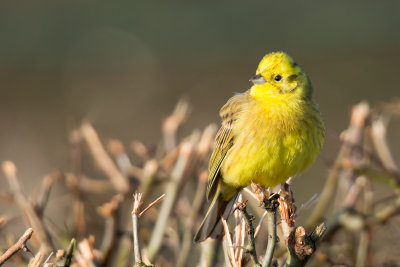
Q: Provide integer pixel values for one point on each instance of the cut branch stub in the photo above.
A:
(301, 246)
(300, 243)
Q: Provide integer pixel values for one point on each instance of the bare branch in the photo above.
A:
(251, 246)
(302, 246)
(87, 185)
(86, 253)
(26, 207)
(20, 244)
(171, 191)
(109, 211)
(172, 123)
(152, 204)
(137, 202)
(102, 159)
(196, 206)
(208, 252)
(37, 261)
(44, 193)
(287, 209)
(230, 254)
(352, 135)
(271, 204)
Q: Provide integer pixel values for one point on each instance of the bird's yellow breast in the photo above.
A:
(275, 137)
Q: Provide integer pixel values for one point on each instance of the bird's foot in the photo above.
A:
(267, 200)
(271, 203)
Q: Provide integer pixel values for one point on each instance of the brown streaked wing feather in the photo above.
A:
(224, 139)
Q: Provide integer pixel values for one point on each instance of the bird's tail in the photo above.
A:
(212, 225)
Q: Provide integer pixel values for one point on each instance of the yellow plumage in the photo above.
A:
(269, 133)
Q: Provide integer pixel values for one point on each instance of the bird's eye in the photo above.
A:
(278, 78)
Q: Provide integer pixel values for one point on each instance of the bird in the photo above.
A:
(269, 133)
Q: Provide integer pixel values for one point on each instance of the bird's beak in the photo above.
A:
(257, 79)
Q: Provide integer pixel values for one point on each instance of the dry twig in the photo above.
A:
(102, 159)
(173, 122)
(251, 246)
(352, 135)
(26, 207)
(151, 205)
(37, 261)
(171, 191)
(109, 211)
(271, 205)
(229, 248)
(137, 202)
(302, 246)
(287, 208)
(208, 252)
(187, 234)
(20, 244)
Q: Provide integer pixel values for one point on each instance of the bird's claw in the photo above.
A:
(271, 203)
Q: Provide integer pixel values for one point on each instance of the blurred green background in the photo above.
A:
(123, 66)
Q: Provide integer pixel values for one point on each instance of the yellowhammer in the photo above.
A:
(269, 133)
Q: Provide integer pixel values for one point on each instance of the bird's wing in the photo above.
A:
(224, 139)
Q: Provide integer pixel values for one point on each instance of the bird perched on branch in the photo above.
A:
(268, 134)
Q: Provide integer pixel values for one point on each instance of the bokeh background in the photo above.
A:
(123, 66)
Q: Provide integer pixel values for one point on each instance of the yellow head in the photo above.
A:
(277, 73)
